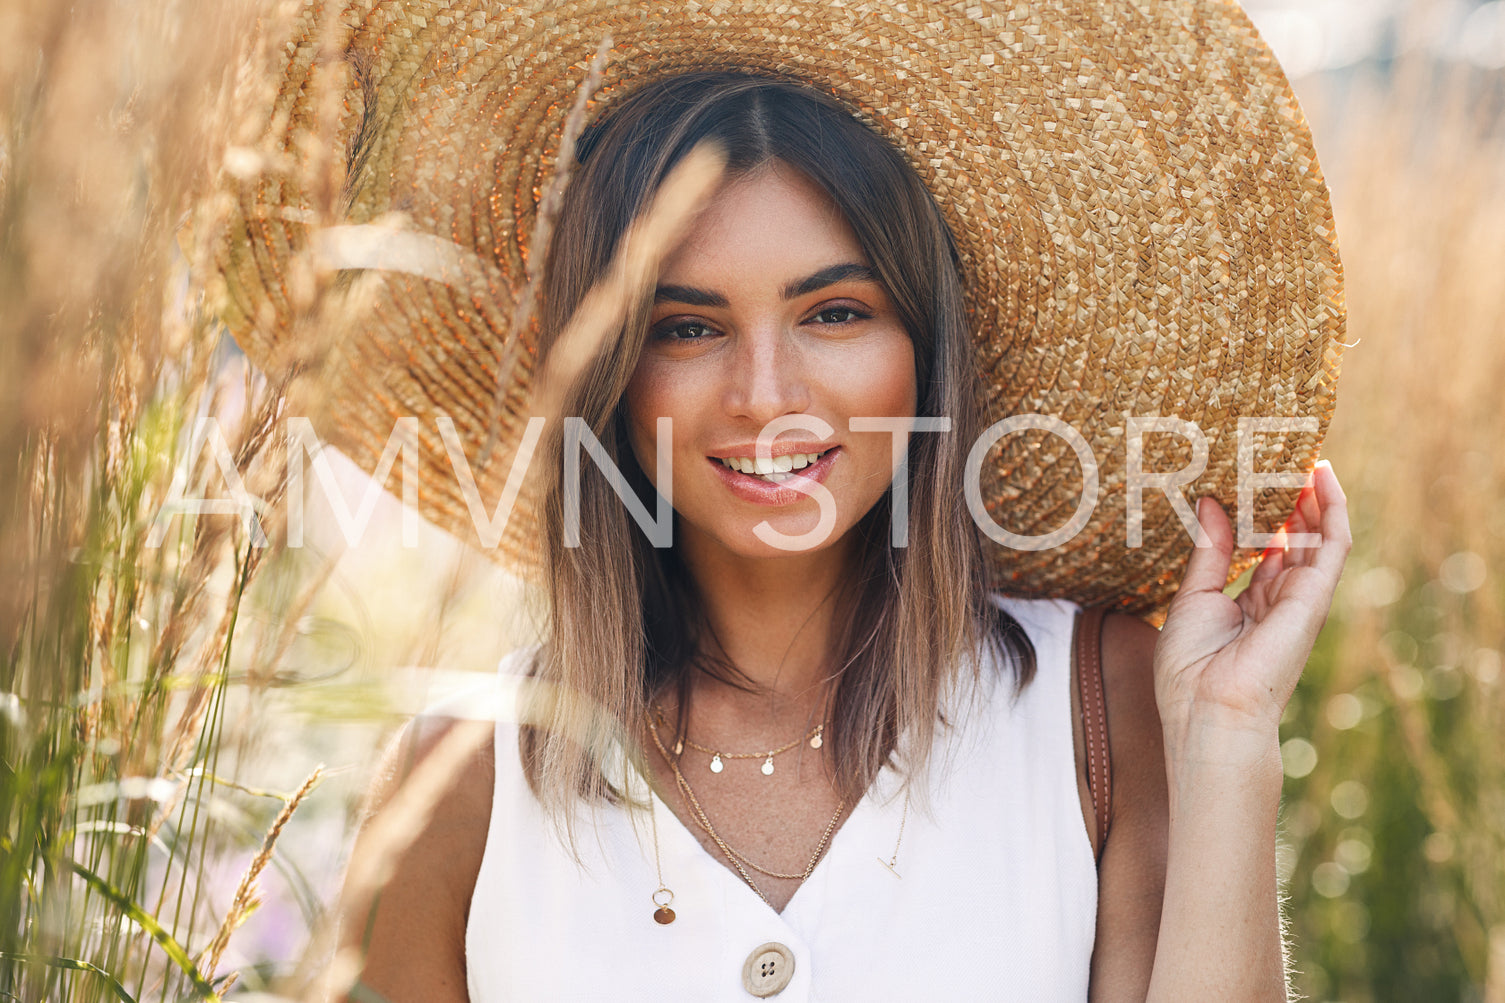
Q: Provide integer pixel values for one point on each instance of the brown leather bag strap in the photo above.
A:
(1087, 654)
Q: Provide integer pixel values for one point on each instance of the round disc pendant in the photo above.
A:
(768, 766)
(716, 764)
(815, 742)
(663, 915)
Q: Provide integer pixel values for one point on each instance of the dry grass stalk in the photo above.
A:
(244, 901)
(630, 275)
(206, 676)
(105, 359)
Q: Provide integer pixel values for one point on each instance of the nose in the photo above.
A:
(769, 378)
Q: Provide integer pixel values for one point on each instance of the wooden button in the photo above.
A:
(768, 970)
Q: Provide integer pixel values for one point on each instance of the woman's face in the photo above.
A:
(767, 309)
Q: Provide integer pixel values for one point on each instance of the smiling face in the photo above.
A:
(769, 309)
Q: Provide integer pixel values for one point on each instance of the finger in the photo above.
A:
(1271, 562)
(1296, 528)
(1255, 601)
(1299, 534)
(1207, 567)
(1307, 507)
(1337, 537)
(1306, 503)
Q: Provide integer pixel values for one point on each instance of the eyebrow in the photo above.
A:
(829, 276)
(689, 295)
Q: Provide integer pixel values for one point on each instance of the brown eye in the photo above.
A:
(689, 330)
(838, 315)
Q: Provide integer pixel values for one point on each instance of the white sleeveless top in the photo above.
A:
(997, 899)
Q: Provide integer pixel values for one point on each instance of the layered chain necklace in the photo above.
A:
(736, 858)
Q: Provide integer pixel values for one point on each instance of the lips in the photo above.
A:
(776, 469)
(763, 489)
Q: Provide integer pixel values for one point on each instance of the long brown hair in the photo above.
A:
(625, 621)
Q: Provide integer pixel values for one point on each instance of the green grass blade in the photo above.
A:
(147, 922)
(73, 965)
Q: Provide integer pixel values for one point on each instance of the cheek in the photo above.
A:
(889, 379)
(883, 386)
(652, 394)
(640, 407)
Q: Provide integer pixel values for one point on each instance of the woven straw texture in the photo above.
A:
(1143, 226)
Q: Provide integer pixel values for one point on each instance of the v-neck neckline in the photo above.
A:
(881, 785)
(694, 848)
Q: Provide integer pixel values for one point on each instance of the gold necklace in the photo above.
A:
(813, 736)
(889, 863)
(663, 898)
(732, 856)
(704, 823)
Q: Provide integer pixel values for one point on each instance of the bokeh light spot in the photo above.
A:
(1344, 711)
(1407, 682)
(1439, 847)
(1380, 586)
(1329, 880)
(1350, 799)
(1485, 666)
(1351, 922)
(1462, 572)
(1298, 757)
(1354, 855)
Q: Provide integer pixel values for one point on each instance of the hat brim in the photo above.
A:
(1143, 227)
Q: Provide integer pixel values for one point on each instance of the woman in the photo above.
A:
(804, 750)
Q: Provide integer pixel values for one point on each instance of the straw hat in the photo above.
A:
(1143, 227)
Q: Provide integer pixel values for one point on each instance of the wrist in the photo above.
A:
(1228, 759)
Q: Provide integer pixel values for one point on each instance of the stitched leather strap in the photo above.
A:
(1087, 653)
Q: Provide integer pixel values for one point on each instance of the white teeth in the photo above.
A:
(777, 469)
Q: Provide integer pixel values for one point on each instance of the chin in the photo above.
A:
(744, 542)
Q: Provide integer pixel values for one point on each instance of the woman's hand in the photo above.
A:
(1225, 668)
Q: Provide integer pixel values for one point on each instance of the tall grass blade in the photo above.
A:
(146, 921)
(73, 964)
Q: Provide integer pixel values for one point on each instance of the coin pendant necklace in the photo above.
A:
(718, 758)
(663, 898)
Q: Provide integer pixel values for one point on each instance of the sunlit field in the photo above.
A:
(1395, 800)
(188, 717)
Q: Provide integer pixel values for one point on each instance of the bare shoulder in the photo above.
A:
(413, 869)
(1131, 874)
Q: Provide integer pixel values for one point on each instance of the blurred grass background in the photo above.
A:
(161, 712)
(1394, 821)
